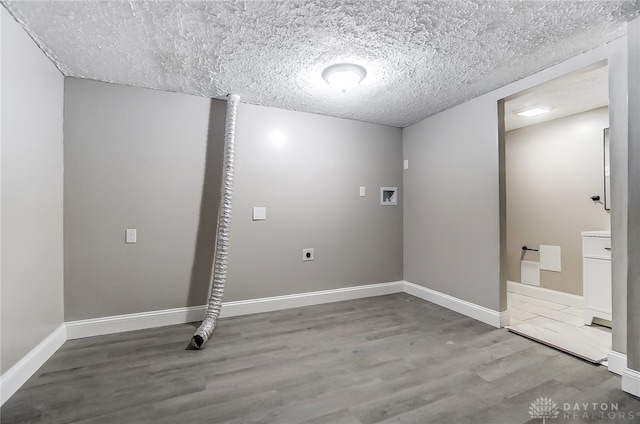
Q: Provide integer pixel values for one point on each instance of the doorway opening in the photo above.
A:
(556, 214)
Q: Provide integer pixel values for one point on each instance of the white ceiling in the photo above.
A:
(579, 91)
(421, 56)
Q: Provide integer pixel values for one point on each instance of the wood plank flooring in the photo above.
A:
(388, 359)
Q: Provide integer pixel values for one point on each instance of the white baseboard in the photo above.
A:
(546, 294)
(15, 377)
(486, 315)
(277, 303)
(504, 318)
(631, 381)
(22, 370)
(617, 362)
(143, 320)
(131, 322)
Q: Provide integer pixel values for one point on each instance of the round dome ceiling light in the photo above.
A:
(344, 76)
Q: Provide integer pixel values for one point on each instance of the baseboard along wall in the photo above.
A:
(617, 362)
(546, 294)
(480, 313)
(17, 375)
(631, 381)
(143, 320)
(630, 378)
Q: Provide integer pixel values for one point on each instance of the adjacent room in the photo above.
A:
(557, 179)
(317, 211)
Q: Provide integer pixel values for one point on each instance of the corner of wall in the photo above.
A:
(21, 371)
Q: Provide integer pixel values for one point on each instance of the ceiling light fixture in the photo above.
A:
(534, 111)
(344, 76)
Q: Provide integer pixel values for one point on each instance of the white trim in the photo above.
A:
(546, 294)
(631, 381)
(277, 303)
(22, 370)
(130, 322)
(486, 315)
(143, 320)
(504, 318)
(617, 362)
(17, 375)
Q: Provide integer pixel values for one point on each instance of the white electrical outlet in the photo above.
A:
(307, 254)
(130, 235)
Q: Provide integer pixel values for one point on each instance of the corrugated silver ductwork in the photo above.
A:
(219, 271)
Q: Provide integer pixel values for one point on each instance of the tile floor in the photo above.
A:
(558, 325)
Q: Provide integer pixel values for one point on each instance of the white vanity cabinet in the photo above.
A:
(596, 275)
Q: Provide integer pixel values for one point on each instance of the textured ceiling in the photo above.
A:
(579, 91)
(421, 56)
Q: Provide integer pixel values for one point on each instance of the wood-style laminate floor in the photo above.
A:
(389, 359)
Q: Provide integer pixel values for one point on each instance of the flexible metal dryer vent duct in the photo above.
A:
(219, 269)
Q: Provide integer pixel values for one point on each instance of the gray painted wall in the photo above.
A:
(135, 158)
(633, 283)
(150, 178)
(553, 169)
(618, 131)
(32, 168)
(150, 160)
(451, 218)
(452, 233)
(306, 170)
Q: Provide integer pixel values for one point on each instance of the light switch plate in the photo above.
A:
(259, 213)
(363, 191)
(131, 236)
(405, 164)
